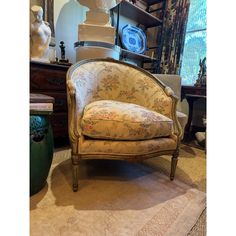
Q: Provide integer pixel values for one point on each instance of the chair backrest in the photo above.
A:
(174, 82)
(107, 79)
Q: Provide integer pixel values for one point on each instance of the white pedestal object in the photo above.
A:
(96, 36)
(97, 26)
(97, 33)
(89, 50)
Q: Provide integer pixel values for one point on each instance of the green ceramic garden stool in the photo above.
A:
(41, 140)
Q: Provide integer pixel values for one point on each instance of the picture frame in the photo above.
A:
(48, 9)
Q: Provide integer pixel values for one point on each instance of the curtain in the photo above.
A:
(173, 35)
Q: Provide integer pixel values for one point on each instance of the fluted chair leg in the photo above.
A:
(75, 172)
(174, 162)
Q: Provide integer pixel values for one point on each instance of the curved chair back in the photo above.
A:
(107, 79)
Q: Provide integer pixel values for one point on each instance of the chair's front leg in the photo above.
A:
(75, 172)
(174, 162)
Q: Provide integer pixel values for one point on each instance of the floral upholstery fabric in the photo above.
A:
(107, 119)
(112, 147)
(108, 80)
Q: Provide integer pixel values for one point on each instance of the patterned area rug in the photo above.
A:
(114, 198)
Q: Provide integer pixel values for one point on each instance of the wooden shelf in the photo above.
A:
(152, 2)
(137, 14)
(146, 20)
(136, 56)
(53, 65)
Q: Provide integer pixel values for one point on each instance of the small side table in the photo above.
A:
(191, 100)
(192, 94)
(41, 140)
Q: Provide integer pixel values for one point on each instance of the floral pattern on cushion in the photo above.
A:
(112, 147)
(115, 120)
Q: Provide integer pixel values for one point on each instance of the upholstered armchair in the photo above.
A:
(121, 112)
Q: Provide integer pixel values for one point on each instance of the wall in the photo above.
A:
(68, 14)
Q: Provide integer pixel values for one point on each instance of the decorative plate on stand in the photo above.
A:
(134, 39)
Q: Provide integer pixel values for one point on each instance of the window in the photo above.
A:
(195, 42)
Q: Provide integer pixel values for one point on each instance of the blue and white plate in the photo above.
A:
(134, 39)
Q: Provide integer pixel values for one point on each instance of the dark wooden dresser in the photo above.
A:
(50, 79)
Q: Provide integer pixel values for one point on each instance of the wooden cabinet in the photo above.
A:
(50, 79)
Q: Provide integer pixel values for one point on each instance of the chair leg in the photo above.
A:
(75, 177)
(75, 172)
(174, 162)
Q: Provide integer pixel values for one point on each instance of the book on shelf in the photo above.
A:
(141, 4)
(40, 98)
(41, 106)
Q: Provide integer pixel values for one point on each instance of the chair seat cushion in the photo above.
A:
(107, 119)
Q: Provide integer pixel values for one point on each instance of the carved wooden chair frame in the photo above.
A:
(74, 136)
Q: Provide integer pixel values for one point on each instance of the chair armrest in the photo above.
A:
(170, 100)
(177, 127)
(71, 88)
(71, 101)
